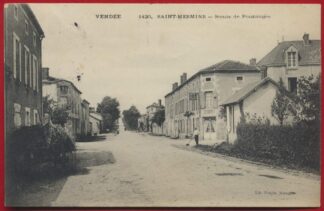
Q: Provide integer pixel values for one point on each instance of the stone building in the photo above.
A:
(85, 115)
(195, 102)
(23, 62)
(290, 60)
(96, 122)
(65, 95)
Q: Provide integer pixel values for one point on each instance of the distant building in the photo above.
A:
(23, 62)
(85, 115)
(290, 60)
(96, 122)
(195, 102)
(150, 112)
(65, 95)
(142, 123)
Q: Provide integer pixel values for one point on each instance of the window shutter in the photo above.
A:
(202, 100)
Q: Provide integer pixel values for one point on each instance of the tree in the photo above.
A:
(130, 118)
(48, 105)
(109, 110)
(280, 107)
(159, 117)
(308, 104)
(59, 116)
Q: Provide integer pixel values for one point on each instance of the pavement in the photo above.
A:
(154, 171)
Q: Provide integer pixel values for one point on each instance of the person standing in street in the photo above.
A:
(196, 136)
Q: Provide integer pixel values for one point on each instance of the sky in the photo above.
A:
(136, 60)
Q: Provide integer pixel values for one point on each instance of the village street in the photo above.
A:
(157, 171)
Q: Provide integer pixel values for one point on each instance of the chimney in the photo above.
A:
(91, 109)
(174, 86)
(306, 39)
(160, 102)
(184, 77)
(181, 79)
(253, 61)
(45, 73)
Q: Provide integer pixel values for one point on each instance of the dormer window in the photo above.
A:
(292, 60)
(292, 57)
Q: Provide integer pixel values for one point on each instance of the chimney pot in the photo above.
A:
(174, 86)
(184, 76)
(306, 38)
(45, 73)
(253, 61)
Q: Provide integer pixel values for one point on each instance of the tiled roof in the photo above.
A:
(230, 66)
(52, 80)
(226, 66)
(308, 54)
(155, 105)
(247, 91)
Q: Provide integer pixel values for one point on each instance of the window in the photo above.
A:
(239, 79)
(36, 117)
(292, 85)
(35, 73)
(292, 57)
(16, 12)
(63, 102)
(16, 57)
(27, 64)
(208, 79)
(232, 121)
(27, 116)
(17, 115)
(209, 100)
(26, 27)
(64, 89)
(34, 39)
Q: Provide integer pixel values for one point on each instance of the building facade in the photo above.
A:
(195, 102)
(23, 62)
(255, 99)
(96, 124)
(85, 115)
(290, 60)
(65, 95)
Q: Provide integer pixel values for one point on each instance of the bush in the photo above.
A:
(30, 147)
(297, 144)
(60, 143)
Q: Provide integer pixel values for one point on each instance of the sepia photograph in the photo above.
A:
(162, 105)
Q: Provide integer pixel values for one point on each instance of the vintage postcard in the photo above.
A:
(162, 105)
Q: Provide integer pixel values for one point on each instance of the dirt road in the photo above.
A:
(150, 171)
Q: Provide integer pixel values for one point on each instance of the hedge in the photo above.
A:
(30, 147)
(297, 144)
